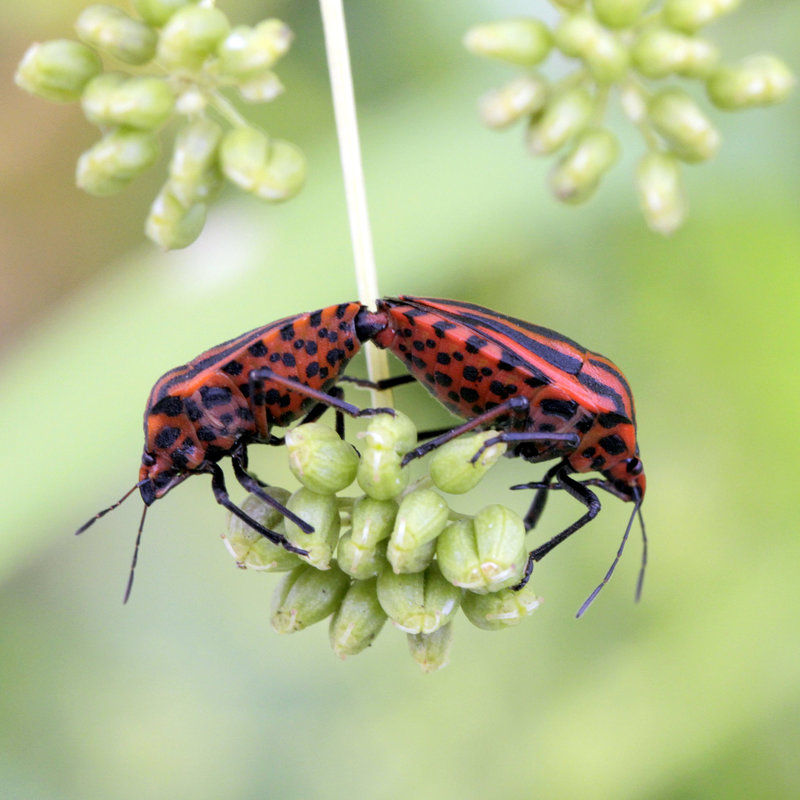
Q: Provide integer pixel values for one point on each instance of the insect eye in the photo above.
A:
(148, 460)
(634, 466)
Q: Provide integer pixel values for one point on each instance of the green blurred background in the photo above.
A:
(187, 692)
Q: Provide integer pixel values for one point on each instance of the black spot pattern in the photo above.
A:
(257, 349)
(167, 437)
(212, 396)
(170, 406)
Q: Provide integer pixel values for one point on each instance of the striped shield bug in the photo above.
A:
(233, 395)
(549, 398)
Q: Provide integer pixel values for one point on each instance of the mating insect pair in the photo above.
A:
(548, 397)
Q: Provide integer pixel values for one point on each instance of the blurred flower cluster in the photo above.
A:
(397, 552)
(627, 45)
(172, 63)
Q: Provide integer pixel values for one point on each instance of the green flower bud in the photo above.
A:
(755, 81)
(660, 52)
(372, 520)
(682, 123)
(190, 36)
(689, 15)
(421, 517)
(137, 102)
(660, 190)
(380, 474)
(246, 51)
(110, 30)
(172, 225)
(524, 95)
(271, 169)
(582, 36)
(420, 602)
(307, 595)
(362, 561)
(576, 176)
(193, 171)
(57, 70)
(498, 610)
(322, 513)
(386, 432)
(358, 620)
(111, 164)
(485, 554)
(431, 651)
(568, 5)
(619, 13)
(260, 88)
(452, 469)
(563, 117)
(518, 41)
(319, 459)
(157, 12)
(252, 550)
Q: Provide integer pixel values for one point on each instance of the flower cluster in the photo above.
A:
(628, 45)
(397, 552)
(174, 60)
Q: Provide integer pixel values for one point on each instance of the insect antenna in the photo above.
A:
(110, 508)
(135, 557)
(590, 599)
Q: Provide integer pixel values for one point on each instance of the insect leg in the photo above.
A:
(518, 406)
(257, 376)
(527, 436)
(386, 383)
(579, 492)
(222, 497)
(254, 486)
(316, 412)
(540, 498)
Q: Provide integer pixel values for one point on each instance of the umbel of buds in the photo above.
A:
(397, 552)
(633, 45)
(192, 57)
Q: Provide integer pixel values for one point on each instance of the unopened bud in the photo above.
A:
(420, 602)
(518, 41)
(755, 81)
(246, 51)
(111, 164)
(619, 13)
(660, 52)
(157, 12)
(562, 118)
(193, 170)
(372, 520)
(271, 169)
(322, 513)
(110, 30)
(380, 474)
(57, 70)
(431, 651)
(582, 36)
(358, 620)
(421, 517)
(319, 459)
(132, 102)
(524, 95)
(452, 468)
(689, 15)
(172, 225)
(498, 610)
(362, 561)
(485, 554)
(660, 190)
(682, 123)
(260, 88)
(251, 549)
(190, 36)
(390, 432)
(576, 176)
(307, 595)
(568, 5)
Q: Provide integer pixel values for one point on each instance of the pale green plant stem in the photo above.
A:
(350, 153)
